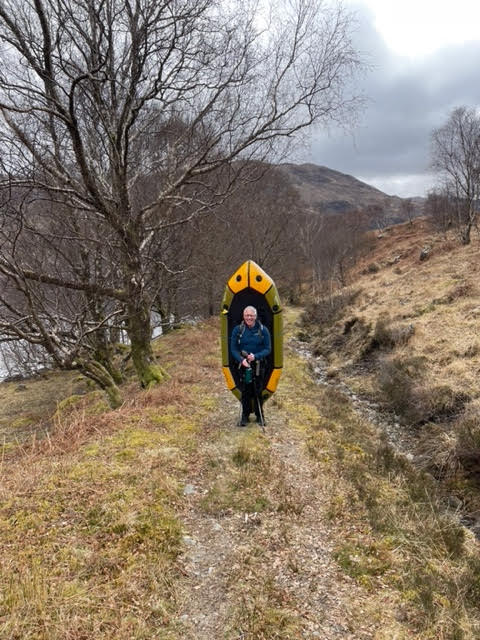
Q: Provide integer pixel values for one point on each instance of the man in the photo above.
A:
(250, 343)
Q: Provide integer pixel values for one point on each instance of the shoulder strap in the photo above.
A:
(240, 332)
(260, 330)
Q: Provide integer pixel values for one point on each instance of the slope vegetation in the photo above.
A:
(164, 520)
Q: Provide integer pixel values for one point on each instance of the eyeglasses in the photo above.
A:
(249, 315)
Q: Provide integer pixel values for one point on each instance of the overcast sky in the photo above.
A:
(425, 56)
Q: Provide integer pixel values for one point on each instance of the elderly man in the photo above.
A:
(250, 344)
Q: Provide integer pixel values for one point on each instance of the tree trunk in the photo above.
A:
(103, 355)
(139, 332)
(465, 237)
(99, 374)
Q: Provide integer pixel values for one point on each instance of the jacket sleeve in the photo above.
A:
(233, 344)
(267, 345)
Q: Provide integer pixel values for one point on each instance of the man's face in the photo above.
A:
(249, 317)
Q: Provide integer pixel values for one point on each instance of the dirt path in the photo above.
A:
(267, 573)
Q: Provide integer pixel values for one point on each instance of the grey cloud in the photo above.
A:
(406, 100)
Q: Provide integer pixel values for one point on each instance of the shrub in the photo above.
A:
(437, 452)
(327, 310)
(399, 383)
(387, 336)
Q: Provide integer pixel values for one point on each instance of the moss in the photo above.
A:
(99, 407)
(67, 404)
(135, 438)
(158, 527)
(360, 561)
(209, 404)
(92, 450)
(22, 422)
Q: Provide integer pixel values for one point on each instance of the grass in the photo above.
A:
(27, 407)
(89, 517)
(392, 528)
(93, 518)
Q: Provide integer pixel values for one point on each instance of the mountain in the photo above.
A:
(328, 191)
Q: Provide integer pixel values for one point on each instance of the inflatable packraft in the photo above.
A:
(250, 285)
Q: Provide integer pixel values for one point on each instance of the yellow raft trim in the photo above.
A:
(273, 380)
(229, 378)
(258, 279)
(252, 276)
(239, 280)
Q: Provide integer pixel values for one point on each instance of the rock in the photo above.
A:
(189, 489)
(21, 387)
(454, 502)
(424, 254)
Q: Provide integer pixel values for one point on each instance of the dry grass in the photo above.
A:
(392, 527)
(410, 340)
(439, 298)
(93, 520)
(88, 519)
(27, 406)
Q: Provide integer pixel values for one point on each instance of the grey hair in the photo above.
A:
(250, 308)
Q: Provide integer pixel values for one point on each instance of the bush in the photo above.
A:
(327, 310)
(437, 452)
(387, 336)
(399, 381)
(403, 389)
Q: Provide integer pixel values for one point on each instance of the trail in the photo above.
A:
(289, 549)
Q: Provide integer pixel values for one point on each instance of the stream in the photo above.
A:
(399, 437)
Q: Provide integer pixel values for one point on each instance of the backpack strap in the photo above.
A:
(241, 331)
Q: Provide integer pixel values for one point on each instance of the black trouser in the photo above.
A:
(249, 398)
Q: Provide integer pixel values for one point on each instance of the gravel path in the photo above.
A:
(295, 543)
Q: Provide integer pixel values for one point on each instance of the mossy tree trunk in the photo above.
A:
(103, 355)
(97, 372)
(139, 331)
(139, 309)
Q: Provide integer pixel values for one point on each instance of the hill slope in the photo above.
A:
(328, 191)
(164, 520)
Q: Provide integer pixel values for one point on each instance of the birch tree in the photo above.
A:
(455, 155)
(129, 115)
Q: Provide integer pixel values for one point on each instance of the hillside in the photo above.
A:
(404, 336)
(328, 191)
(164, 520)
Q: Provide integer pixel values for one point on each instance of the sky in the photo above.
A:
(425, 61)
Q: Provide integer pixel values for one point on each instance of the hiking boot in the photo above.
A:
(243, 421)
(259, 420)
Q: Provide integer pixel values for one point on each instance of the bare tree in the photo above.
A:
(408, 209)
(456, 156)
(332, 245)
(378, 215)
(259, 221)
(125, 111)
(440, 210)
(69, 328)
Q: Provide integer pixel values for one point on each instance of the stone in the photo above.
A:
(189, 489)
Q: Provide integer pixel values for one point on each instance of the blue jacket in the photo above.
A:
(255, 340)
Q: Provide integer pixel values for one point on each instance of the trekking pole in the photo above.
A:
(255, 392)
(260, 412)
(259, 404)
(240, 414)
